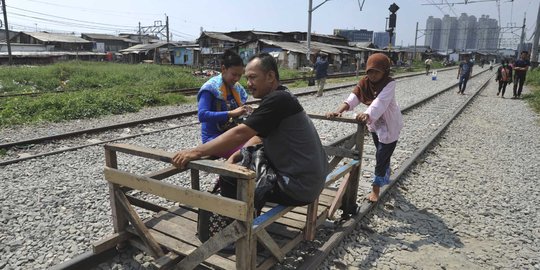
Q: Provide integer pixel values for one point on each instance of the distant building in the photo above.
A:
(433, 33)
(466, 32)
(381, 39)
(463, 33)
(487, 33)
(361, 35)
(448, 33)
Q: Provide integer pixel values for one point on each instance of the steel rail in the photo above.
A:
(137, 122)
(349, 225)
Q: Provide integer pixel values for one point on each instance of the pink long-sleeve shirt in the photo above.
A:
(385, 117)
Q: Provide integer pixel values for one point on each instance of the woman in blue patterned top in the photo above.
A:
(222, 98)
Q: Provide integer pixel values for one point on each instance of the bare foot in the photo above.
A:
(372, 197)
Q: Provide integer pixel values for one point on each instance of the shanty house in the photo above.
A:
(61, 42)
(157, 53)
(212, 46)
(187, 55)
(109, 43)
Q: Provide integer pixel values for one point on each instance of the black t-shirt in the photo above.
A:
(292, 144)
(274, 107)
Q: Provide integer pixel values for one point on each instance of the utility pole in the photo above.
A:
(167, 26)
(140, 32)
(522, 39)
(10, 61)
(310, 10)
(534, 58)
(415, 39)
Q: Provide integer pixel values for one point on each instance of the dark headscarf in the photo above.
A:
(366, 90)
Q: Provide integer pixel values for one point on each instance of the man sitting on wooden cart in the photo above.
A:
(290, 143)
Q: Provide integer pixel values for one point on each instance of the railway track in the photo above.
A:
(338, 232)
(32, 148)
(184, 91)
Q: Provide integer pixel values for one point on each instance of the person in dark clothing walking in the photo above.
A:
(321, 72)
(504, 77)
(520, 72)
(464, 73)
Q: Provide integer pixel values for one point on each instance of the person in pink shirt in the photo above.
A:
(383, 116)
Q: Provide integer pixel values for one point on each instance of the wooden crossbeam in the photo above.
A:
(222, 239)
(211, 166)
(138, 225)
(266, 240)
(336, 203)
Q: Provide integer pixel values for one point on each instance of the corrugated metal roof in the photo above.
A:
(327, 48)
(142, 47)
(108, 37)
(288, 46)
(47, 54)
(48, 37)
(221, 36)
(301, 47)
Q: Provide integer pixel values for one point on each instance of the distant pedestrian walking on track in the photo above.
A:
(383, 117)
(321, 72)
(520, 72)
(464, 73)
(221, 99)
(504, 77)
(428, 63)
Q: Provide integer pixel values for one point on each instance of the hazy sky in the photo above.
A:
(186, 17)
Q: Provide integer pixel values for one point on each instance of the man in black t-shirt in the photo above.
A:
(520, 71)
(291, 142)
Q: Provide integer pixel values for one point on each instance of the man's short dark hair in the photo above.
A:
(524, 52)
(268, 63)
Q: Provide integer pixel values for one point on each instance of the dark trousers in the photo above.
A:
(463, 79)
(519, 80)
(502, 86)
(276, 195)
(382, 155)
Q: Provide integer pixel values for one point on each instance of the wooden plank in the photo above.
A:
(341, 171)
(145, 204)
(334, 119)
(217, 204)
(120, 222)
(349, 204)
(195, 181)
(337, 199)
(184, 231)
(137, 223)
(210, 166)
(228, 235)
(184, 212)
(269, 217)
(166, 262)
(311, 220)
(246, 247)
(110, 241)
(341, 152)
(183, 248)
(164, 173)
(266, 240)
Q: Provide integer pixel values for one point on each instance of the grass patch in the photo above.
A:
(93, 89)
(533, 82)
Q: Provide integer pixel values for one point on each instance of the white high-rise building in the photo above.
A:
(433, 33)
